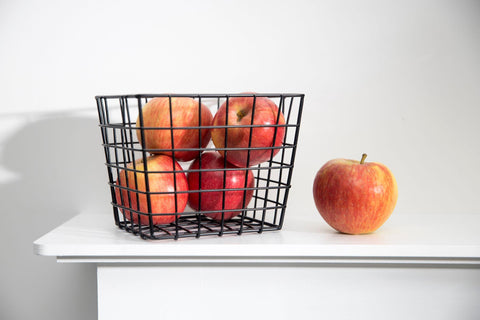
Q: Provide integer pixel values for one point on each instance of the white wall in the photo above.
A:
(399, 80)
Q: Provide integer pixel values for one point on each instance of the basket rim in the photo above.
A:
(200, 95)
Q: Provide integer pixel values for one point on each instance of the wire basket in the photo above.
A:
(192, 165)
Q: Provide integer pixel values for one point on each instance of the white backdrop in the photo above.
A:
(399, 80)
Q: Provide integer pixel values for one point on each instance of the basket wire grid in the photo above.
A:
(121, 119)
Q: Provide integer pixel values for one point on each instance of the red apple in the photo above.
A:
(355, 197)
(213, 180)
(185, 113)
(158, 181)
(240, 110)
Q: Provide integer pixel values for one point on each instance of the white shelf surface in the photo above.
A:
(428, 239)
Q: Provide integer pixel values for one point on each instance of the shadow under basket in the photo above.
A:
(226, 185)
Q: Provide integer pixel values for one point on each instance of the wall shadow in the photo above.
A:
(59, 162)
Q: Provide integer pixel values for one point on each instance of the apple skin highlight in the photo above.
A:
(355, 197)
(234, 201)
(185, 113)
(240, 111)
(158, 181)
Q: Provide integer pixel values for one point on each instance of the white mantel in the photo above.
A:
(434, 258)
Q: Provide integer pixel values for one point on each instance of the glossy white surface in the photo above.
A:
(404, 238)
(422, 266)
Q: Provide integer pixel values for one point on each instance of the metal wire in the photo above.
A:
(124, 132)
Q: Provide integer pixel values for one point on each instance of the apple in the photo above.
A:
(213, 180)
(134, 178)
(355, 197)
(240, 111)
(185, 113)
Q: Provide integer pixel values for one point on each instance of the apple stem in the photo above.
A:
(240, 115)
(364, 156)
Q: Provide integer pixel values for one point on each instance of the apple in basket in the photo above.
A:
(157, 124)
(209, 199)
(355, 197)
(159, 172)
(265, 115)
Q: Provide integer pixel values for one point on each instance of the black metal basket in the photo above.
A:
(159, 193)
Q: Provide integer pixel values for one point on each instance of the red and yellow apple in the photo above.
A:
(240, 110)
(158, 170)
(355, 197)
(185, 113)
(211, 180)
